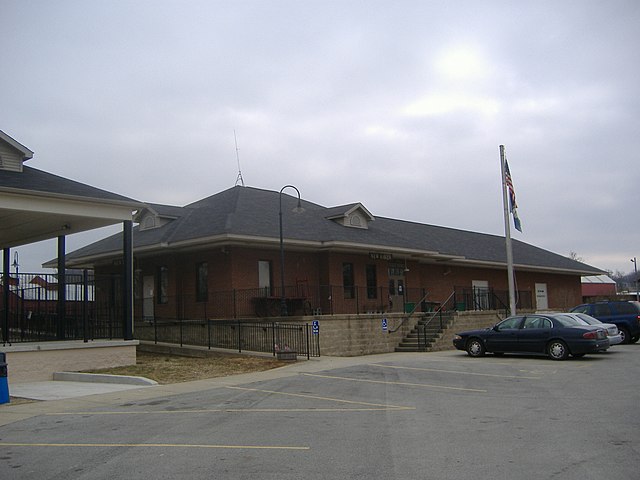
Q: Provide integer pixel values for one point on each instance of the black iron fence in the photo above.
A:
(480, 298)
(270, 337)
(266, 303)
(93, 307)
(31, 311)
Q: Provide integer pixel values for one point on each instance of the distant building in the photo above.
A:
(598, 286)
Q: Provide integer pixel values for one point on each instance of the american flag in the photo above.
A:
(513, 206)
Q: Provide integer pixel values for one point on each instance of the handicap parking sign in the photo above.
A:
(315, 327)
(384, 324)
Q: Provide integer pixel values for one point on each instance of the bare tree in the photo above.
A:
(574, 256)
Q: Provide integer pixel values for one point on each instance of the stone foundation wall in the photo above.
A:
(36, 362)
(354, 335)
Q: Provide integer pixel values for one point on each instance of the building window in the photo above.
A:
(348, 281)
(264, 277)
(163, 285)
(202, 282)
(372, 282)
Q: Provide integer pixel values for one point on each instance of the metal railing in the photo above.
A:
(423, 336)
(93, 308)
(302, 300)
(474, 298)
(31, 311)
(268, 337)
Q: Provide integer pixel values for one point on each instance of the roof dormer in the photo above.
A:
(12, 153)
(354, 215)
(154, 216)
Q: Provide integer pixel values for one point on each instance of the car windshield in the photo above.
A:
(567, 321)
(580, 320)
(588, 319)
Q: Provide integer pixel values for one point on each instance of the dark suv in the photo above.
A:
(625, 315)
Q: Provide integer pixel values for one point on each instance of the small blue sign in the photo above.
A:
(315, 327)
(384, 324)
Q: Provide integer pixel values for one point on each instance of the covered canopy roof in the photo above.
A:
(36, 205)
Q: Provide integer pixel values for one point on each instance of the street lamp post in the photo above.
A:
(635, 267)
(298, 209)
(16, 266)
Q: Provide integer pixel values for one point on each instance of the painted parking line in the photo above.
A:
(515, 360)
(153, 445)
(228, 410)
(364, 407)
(491, 360)
(331, 399)
(404, 384)
(457, 372)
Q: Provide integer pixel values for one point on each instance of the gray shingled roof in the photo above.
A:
(252, 212)
(32, 179)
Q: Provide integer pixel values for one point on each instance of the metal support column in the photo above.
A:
(5, 294)
(62, 288)
(127, 284)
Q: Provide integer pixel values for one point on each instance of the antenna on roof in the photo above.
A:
(239, 177)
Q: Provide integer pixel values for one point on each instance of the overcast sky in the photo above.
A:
(399, 105)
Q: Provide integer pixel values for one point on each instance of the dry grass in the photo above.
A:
(166, 369)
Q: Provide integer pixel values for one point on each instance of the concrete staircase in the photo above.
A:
(426, 332)
(438, 339)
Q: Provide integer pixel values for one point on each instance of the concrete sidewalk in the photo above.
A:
(59, 390)
(73, 384)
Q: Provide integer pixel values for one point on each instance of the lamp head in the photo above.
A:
(299, 208)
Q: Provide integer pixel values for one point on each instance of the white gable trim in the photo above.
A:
(357, 216)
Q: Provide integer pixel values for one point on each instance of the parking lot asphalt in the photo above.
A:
(428, 415)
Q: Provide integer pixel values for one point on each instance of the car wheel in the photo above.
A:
(624, 333)
(635, 339)
(557, 350)
(475, 347)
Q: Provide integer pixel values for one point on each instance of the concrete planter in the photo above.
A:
(287, 356)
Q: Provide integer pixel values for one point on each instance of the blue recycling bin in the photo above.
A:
(4, 384)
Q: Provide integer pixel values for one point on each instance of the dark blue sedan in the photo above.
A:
(556, 335)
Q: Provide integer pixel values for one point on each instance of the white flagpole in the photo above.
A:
(507, 234)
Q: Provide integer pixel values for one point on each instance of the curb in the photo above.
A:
(101, 378)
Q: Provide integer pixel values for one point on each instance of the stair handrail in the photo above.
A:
(438, 311)
(407, 317)
(422, 329)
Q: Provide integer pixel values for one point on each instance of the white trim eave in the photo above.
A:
(242, 239)
(523, 267)
(20, 192)
(73, 206)
(419, 255)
